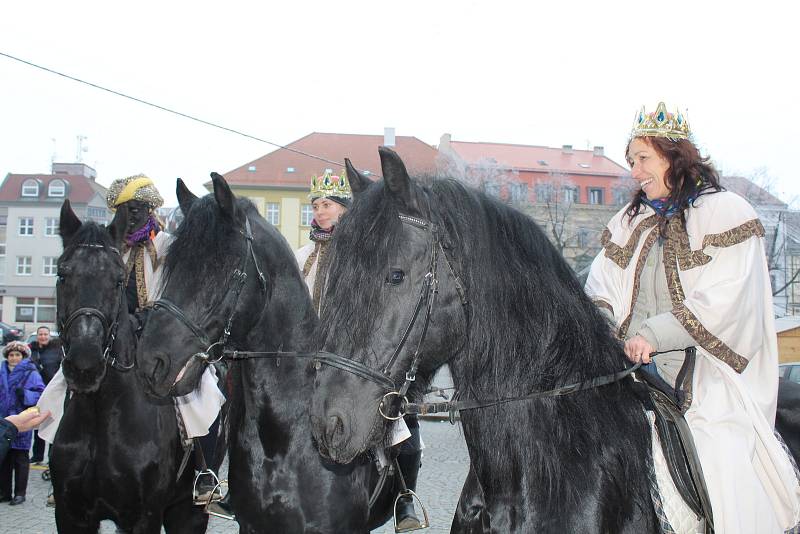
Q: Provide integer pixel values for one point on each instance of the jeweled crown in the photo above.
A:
(661, 123)
(330, 185)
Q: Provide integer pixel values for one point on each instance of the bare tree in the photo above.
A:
(558, 194)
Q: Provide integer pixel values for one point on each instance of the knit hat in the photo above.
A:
(138, 187)
(18, 346)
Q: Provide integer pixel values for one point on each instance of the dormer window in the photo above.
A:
(57, 188)
(30, 188)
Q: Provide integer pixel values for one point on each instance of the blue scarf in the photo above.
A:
(664, 206)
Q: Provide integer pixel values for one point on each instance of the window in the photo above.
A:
(274, 213)
(583, 238)
(24, 265)
(306, 214)
(51, 227)
(570, 195)
(30, 188)
(57, 188)
(97, 214)
(26, 226)
(595, 195)
(49, 266)
(518, 192)
(544, 192)
(36, 310)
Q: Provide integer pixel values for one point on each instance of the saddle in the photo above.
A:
(668, 404)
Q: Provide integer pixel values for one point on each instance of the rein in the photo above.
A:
(109, 329)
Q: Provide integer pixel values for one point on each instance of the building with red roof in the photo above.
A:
(30, 205)
(278, 183)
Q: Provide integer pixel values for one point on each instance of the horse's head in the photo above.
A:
(90, 295)
(214, 290)
(394, 310)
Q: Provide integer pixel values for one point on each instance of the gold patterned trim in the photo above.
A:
(689, 259)
(676, 237)
(136, 263)
(622, 255)
(648, 244)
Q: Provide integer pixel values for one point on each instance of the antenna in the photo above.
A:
(54, 155)
(80, 148)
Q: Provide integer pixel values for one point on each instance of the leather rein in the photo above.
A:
(396, 398)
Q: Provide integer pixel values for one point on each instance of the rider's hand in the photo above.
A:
(638, 349)
(27, 420)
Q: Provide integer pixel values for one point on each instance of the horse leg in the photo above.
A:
(185, 518)
(470, 516)
(67, 523)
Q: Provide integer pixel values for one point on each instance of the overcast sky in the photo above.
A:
(540, 73)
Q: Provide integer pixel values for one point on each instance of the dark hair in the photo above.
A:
(689, 175)
(43, 326)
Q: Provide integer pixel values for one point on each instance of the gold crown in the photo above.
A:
(661, 123)
(330, 185)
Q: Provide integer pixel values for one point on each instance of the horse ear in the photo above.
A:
(224, 196)
(185, 197)
(68, 224)
(119, 225)
(358, 182)
(396, 177)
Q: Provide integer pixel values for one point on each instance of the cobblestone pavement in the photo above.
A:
(444, 468)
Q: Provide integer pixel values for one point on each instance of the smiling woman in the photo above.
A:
(683, 267)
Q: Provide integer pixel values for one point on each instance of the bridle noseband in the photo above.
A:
(214, 352)
(109, 328)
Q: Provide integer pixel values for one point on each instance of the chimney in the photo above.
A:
(598, 151)
(444, 142)
(566, 149)
(388, 136)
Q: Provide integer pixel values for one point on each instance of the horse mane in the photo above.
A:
(205, 247)
(531, 328)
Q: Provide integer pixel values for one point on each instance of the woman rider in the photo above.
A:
(683, 265)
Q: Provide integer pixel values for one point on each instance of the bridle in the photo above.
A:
(109, 328)
(426, 301)
(214, 351)
(396, 397)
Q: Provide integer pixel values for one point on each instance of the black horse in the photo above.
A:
(451, 275)
(228, 268)
(116, 453)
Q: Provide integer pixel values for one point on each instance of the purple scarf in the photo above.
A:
(143, 233)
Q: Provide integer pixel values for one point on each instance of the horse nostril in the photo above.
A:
(334, 430)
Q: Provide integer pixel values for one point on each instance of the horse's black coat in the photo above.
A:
(117, 451)
(573, 464)
(278, 481)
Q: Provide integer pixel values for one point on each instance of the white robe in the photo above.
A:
(720, 289)
(198, 409)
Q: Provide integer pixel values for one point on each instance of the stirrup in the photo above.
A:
(207, 497)
(414, 497)
(217, 508)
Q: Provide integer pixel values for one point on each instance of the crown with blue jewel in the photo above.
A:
(330, 185)
(661, 123)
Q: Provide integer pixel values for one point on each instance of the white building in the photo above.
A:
(29, 242)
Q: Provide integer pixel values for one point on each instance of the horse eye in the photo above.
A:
(395, 277)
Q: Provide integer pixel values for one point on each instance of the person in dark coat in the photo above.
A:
(20, 388)
(46, 355)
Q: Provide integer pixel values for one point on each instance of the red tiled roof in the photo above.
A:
(80, 189)
(271, 169)
(528, 157)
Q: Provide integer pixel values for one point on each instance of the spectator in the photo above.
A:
(46, 355)
(20, 388)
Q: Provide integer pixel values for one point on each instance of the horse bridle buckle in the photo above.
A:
(400, 411)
